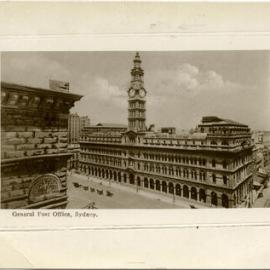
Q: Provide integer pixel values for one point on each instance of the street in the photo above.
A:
(112, 195)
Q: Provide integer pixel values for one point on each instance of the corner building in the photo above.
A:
(208, 168)
(34, 153)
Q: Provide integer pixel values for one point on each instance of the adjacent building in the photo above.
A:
(84, 122)
(209, 167)
(34, 139)
(73, 128)
(76, 124)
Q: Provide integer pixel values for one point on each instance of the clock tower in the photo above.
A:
(136, 100)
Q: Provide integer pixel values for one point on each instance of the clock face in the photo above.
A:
(44, 187)
(142, 93)
(131, 92)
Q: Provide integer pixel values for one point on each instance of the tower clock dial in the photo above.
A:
(142, 93)
(131, 92)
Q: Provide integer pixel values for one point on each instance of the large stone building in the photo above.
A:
(210, 167)
(34, 154)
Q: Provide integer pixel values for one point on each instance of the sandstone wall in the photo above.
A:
(34, 135)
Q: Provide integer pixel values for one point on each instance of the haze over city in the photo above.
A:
(181, 86)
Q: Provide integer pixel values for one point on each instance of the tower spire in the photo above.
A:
(136, 93)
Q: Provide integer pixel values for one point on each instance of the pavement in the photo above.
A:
(121, 196)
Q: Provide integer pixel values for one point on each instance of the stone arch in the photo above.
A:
(145, 182)
(202, 195)
(131, 179)
(119, 177)
(152, 183)
(225, 201)
(164, 186)
(178, 190)
(138, 181)
(114, 176)
(214, 198)
(193, 193)
(171, 188)
(185, 191)
(158, 185)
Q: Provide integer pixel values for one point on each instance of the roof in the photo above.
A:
(214, 120)
(110, 125)
(22, 87)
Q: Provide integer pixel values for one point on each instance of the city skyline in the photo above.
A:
(181, 86)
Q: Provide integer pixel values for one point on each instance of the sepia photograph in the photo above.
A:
(135, 135)
(135, 130)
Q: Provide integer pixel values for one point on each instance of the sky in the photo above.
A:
(181, 86)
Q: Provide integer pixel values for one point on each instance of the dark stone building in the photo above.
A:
(34, 134)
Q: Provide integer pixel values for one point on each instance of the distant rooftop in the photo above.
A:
(110, 125)
(214, 120)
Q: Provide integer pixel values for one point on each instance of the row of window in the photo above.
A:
(178, 172)
(136, 114)
(225, 131)
(136, 104)
(102, 160)
(160, 157)
(174, 172)
(185, 173)
(171, 142)
(101, 151)
(170, 158)
(101, 139)
(176, 159)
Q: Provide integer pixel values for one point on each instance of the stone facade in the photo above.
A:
(207, 168)
(34, 137)
(73, 162)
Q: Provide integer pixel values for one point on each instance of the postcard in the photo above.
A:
(128, 133)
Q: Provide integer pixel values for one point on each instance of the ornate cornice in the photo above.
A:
(22, 97)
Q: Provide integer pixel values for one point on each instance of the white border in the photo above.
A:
(136, 238)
